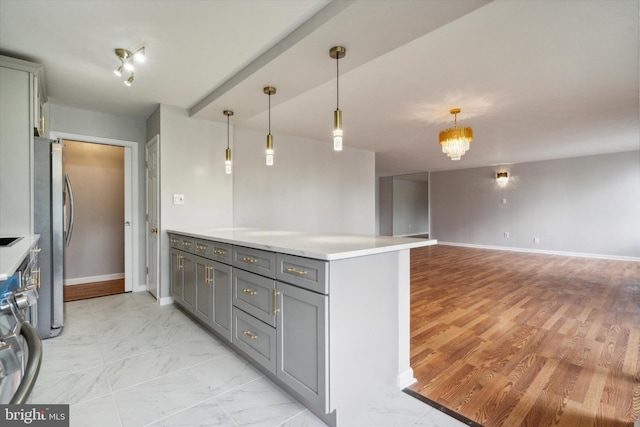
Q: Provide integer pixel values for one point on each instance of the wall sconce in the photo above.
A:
(502, 178)
(127, 60)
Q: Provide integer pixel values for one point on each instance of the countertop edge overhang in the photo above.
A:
(323, 246)
(12, 256)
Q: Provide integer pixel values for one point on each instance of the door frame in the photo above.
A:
(131, 209)
(156, 140)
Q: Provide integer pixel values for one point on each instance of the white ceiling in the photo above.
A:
(535, 79)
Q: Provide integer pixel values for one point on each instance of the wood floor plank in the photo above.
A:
(516, 339)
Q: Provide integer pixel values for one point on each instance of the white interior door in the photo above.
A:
(153, 247)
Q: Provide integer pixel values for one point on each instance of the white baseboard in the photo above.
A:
(405, 379)
(140, 288)
(539, 251)
(92, 279)
(166, 300)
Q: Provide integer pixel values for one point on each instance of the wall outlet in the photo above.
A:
(178, 199)
(536, 240)
(506, 234)
(503, 201)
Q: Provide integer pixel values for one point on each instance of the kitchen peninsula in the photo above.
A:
(325, 316)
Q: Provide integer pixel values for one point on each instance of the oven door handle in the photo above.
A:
(32, 368)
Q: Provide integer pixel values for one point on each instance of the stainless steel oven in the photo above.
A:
(20, 345)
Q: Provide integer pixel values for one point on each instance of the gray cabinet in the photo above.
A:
(182, 277)
(302, 361)
(213, 295)
(273, 308)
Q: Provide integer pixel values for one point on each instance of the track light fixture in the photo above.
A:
(127, 62)
(269, 90)
(227, 162)
(336, 53)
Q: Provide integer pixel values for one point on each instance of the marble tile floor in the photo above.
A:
(124, 361)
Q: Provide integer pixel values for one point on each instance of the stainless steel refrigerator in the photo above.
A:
(53, 221)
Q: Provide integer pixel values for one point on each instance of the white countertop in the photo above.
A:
(311, 245)
(12, 256)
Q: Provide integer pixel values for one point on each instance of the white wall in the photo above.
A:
(310, 187)
(91, 123)
(192, 155)
(586, 205)
(410, 207)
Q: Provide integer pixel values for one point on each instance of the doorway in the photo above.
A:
(130, 218)
(94, 258)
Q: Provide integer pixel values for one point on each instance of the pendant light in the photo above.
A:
(269, 90)
(227, 162)
(336, 53)
(455, 141)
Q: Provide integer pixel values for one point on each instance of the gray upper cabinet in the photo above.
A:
(302, 355)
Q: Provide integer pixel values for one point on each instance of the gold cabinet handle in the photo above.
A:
(249, 260)
(201, 247)
(298, 272)
(219, 252)
(250, 335)
(37, 278)
(210, 269)
(249, 291)
(275, 301)
(179, 262)
(186, 244)
(41, 125)
(154, 230)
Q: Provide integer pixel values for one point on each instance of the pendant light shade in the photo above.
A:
(269, 90)
(455, 141)
(336, 53)
(227, 162)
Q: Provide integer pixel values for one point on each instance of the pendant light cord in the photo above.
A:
(269, 112)
(337, 83)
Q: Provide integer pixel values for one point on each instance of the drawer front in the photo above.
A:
(203, 248)
(174, 241)
(255, 260)
(307, 273)
(255, 295)
(187, 244)
(221, 252)
(255, 339)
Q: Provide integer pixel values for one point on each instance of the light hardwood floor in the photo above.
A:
(518, 339)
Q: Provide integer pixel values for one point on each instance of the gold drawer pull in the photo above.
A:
(219, 252)
(249, 260)
(249, 291)
(201, 247)
(298, 272)
(250, 335)
(186, 244)
(275, 301)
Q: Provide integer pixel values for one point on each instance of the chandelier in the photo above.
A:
(455, 141)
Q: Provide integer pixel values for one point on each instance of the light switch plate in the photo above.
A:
(178, 199)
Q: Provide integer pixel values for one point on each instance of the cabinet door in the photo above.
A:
(204, 289)
(302, 356)
(221, 318)
(176, 274)
(188, 281)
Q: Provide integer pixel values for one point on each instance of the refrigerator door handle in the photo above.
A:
(67, 238)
